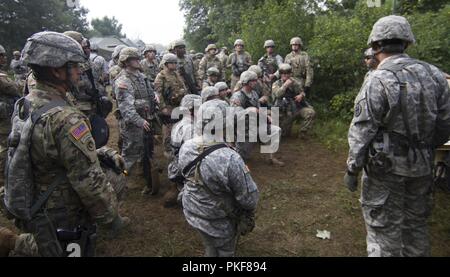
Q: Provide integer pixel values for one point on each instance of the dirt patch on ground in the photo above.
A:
(305, 196)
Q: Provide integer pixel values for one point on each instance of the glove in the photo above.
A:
(246, 223)
(119, 162)
(7, 241)
(351, 181)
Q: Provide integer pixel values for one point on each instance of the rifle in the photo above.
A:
(149, 145)
(192, 87)
(103, 104)
(84, 237)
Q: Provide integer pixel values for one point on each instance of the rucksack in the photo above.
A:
(21, 197)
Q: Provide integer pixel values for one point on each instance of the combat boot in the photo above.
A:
(275, 161)
(156, 183)
(7, 241)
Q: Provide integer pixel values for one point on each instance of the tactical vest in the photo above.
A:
(409, 144)
(143, 94)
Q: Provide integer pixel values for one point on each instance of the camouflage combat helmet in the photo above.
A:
(269, 43)
(248, 76)
(368, 53)
(239, 42)
(392, 27)
(256, 69)
(178, 43)
(192, 52)
(50, 49)
(148, 48)
(2, 50)
(75, 35)
(115, 55)
(190, 101)
(285, 68)
(209, 92)
(213, 71)
(169, 58)
(225, 48)
(128, 53)
(221, 86)
(16, 53)
(210, 47)
(199, 56)
(296, 41)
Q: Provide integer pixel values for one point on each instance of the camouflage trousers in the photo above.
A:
(396, 210)
(3, 157)
(132, 138)
(307, 114)
(167, 133)
(219, 247)
(26, 246)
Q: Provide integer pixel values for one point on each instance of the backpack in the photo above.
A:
(21, 198)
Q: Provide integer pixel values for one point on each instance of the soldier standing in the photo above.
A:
(270, 62)
(210, 60)
(302, 68)
(114, 68)
(220, 196)
(197, 59)
(20, 70)
(291, 99)
(186, 68)
(150, 64)
(402, 113)
(99, 67)
(239, 62)
(9, 94)
(66, 165)
(170, 89)
(137, 105)
(223, 56)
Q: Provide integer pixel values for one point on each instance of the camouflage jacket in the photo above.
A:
(239, 63)
(187, 65)
(100, 67)
(114, 72)
(302, 67)
(226, 188)
(9, 94)
(425, 109)
(62, 144)
(208, 83)
(170, 88)
(151, 69)
(135, 97)
(206, 63)
(261, 88)
(245, 100)
(270, 64)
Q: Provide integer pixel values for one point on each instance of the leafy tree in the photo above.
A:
(106, 26)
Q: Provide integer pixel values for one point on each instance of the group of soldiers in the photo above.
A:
(57, 134)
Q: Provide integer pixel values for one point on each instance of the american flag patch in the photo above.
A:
(79, 130)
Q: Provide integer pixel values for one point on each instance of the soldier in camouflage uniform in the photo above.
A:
(181, 132)
(137, 105)
(239, 61)
(262, 89)
(99, 67)
(114, 68)
(197, 59)
(210, 60)
(20, 69)
(9, 94)
(302, 67)
(150, 65)
(210, 93)
(213, 77)
(186, 68)
(224, 91)
(170, 89)
(402, 113)
(220, 196)
(248, 99)
(65, 148)
(291, 99)
(270, 62)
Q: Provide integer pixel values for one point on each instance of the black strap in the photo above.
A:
(36, 115)
(42, 199)
(208, 151)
